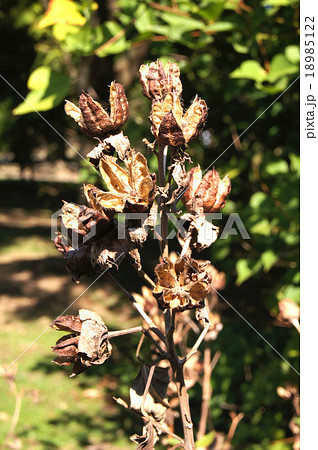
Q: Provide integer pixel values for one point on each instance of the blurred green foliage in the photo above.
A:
(240, 57)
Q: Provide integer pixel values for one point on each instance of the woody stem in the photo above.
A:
(162, 206)
(178, 367)
(137, 307)
(113, 334)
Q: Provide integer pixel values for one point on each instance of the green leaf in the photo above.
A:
(246, 269)
(206, 440)
(220, 26)
(292, 53)
(47, 90)
(262, 227)
(289, 291)
(278, 3)
(279, 67)
(257, 199)
(268, 259)
(294, 162)
(39, 78)
(276, 167)
(144, 19)
(280, 86)
(251, 70)
(211, 9)
(112, 40)
(180, 24)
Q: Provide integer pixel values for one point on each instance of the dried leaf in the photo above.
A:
(109, 251)
(120, 144)
(93, 344)
(170, 132)
(156, 402)
(193, 120)
(67, 323)
(110, 201)
(74, 112)
(116, 178)
(148, 440)
(118, 105)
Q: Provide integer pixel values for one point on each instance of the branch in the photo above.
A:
(137, 307)
(197, 344)
(113, 334)
(236, 418)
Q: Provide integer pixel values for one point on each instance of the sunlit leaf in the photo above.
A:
(47, 90)
(245, 269)
(251, 70)
(62, 11)
(268, 259)
(206, 440)
(220, 26)
(292, 53)
(279, 67)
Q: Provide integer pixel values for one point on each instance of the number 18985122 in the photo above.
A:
(309, 47)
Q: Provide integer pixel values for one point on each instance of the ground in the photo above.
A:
(56, 411)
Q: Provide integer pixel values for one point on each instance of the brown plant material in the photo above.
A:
(207, 194)
(115, 143)
(170, 126)
(218, 278)
(182, 284)
(158, 80)
(92, 117)
(109, 251)
(215, 327)
(148, 397)
(289, 311)
(201, 233)
(131, 190)
(149, 305)
(78, 261)
(83, 220)
(87, 344)
(291, 392)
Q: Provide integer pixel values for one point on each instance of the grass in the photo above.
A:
(56, 412)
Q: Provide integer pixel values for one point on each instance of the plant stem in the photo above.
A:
(162, 206)
(113, 334)
(178, 368)
(185, 409)
(137, 307)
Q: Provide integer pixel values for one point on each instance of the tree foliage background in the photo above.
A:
(240, 57)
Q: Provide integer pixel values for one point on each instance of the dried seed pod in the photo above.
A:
(78, 261)
(158, 80)
(170, 126)
(92, 117)
(82, 220)
(109, 251)
(131, 190)
(87, 344)
(201, 233)
(182, 284)
(207, 194)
